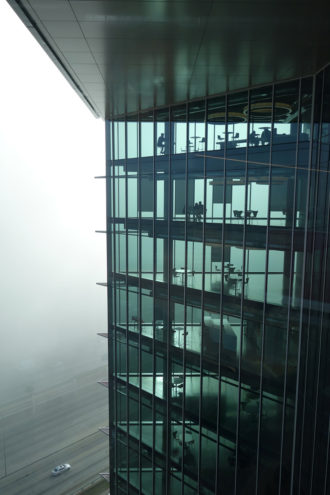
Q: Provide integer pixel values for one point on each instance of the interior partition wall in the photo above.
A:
(218, 289)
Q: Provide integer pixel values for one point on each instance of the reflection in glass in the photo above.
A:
(217, 230)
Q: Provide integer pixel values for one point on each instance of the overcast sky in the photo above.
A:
(51, 147)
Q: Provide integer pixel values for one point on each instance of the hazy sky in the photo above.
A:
(51, 147)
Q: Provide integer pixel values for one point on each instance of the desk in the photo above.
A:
(136, 320)
(233, 279)
(248, 214)
(180, 333)
(160, 330)
(251, 213)
(177, 382)
(182, 272)
(195, 138)
(238, 213)
(230, 267)
(188, 438)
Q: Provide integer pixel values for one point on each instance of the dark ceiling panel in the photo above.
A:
(77, 45)
(79, 57)
(147, 52)
(63, 29)
(143, 10)
(53, 11)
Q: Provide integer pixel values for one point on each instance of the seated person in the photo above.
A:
(265, 136)
(253, 138)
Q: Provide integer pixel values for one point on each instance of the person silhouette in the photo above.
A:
(161, 143)
(265, 136)
(254, 139)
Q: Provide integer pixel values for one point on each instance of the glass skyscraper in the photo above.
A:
(217, 180)
(218, 283)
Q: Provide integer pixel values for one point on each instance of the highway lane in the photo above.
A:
(87, 457)
(51, 421)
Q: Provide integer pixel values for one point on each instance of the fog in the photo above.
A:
(51, 147)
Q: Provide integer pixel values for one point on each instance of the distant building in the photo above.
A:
(217, 134)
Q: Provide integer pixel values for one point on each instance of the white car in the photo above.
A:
(60, 469)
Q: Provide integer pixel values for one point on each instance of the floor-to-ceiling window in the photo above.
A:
(218, 280)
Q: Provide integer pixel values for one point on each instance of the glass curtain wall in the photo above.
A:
(218, 285)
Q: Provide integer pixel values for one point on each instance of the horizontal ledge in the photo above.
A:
(105, 429)
(104, 383)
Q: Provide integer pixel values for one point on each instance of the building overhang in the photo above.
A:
(126, 55)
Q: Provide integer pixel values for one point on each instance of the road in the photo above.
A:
(87, 457)
(37, 431)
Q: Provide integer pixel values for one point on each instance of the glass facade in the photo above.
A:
(218, 287)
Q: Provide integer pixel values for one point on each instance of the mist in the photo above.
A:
(51, 147)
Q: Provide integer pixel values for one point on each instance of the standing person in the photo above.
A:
(161, 143)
